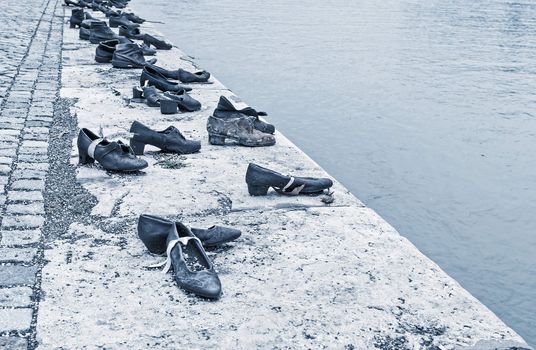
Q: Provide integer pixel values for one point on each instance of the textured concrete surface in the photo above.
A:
(303, 275)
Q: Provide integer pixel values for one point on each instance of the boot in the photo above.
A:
(100, 32)
(241, 130)
(129, 56)
(226, 109)
(169, 140)
(77, 16)
(105, 51)
(260, 179)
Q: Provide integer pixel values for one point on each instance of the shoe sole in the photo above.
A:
(218, 139)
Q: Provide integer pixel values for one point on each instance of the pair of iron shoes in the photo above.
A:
(169, 102)
(184, 248)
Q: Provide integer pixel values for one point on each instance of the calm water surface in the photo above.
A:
(425, 110)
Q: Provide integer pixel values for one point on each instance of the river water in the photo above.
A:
(425, 110)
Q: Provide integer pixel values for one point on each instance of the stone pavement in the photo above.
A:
(30, 52)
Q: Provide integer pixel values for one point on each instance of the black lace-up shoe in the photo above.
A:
(192, 269)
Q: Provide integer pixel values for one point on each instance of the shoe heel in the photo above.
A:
(137, 92)
(216, 140)
(168, 107)
(256, 190)
(84, 158)
(137, 147)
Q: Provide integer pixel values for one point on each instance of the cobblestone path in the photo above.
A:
(30, 55)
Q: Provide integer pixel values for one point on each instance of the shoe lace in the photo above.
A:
(167, 263)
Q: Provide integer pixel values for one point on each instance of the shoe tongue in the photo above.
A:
(173, 130)
(124, 148)
(225, 105)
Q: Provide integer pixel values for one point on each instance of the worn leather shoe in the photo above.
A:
(242, 130)
(168, 140)
(260, 179)
(129, 55)
(185, 102)
(188, 77)
(192, 269)
(153, 78)
(77, 16)
(105, 50)
(226, 109)
(110, 154)
(153, 231)
(123, 20)
(101, 32)
(130, 32)
(158, 43)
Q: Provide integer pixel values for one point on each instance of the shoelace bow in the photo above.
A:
(167, 263)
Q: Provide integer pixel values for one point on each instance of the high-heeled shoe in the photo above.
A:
(111, 155)
(260, 179)
(158, 43)
(192, 269)
(185, 102)
(153, 231)
(168, 140)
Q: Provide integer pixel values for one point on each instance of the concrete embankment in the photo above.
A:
(303, 275)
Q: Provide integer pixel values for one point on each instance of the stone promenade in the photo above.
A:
(30, 52)
(73, 274)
